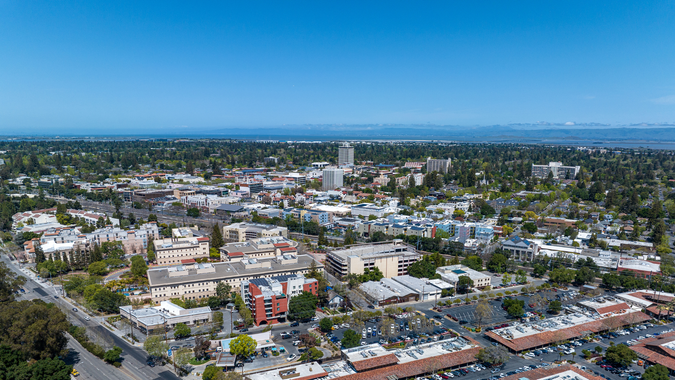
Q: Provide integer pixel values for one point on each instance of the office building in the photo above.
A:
(261, 248)
(269, 297)
(247, 231)
(332, 178)
(392, 258)
(197, 281)
(175, 250)
(452, 273)
(558, 170)
(346, 155)
(167, 314)
(441, 166)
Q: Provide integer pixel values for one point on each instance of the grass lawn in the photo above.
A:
(194, 361)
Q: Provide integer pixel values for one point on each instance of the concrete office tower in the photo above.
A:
(441, 166)
(558, 170)
(346, 155)
(332, 178)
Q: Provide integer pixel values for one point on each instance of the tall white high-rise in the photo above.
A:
(346, 155)
(332, 178)
(440, 166)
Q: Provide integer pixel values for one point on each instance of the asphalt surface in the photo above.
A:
(134, 358)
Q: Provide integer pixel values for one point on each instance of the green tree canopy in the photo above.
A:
(181, 331)
(656, 372)
(620, 355)
(243, 346)
(497, 263)
(302, 306)
(350, 339)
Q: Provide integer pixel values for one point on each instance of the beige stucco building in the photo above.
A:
(174, 250)
(392, 258)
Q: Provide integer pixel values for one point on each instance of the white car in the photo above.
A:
(370, 329)
(292, 357)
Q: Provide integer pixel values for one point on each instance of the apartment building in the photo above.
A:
(175, 250)
(558, 170)
(332, 178)
(196, 281)
(392, 258)
(346, 154)
(321, 217)
(440, 166)
(246, 231)
(269, 297)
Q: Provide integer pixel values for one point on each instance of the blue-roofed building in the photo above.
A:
(521, 249)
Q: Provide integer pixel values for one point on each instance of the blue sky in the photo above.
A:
(122, 67)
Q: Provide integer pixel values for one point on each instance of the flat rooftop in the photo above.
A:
(160, 276)
(577, 323)
(305, 371)
(375, 250)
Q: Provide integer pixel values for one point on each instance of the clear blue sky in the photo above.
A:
(144, 67)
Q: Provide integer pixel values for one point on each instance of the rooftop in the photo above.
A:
(375, 250)
(305, 371)
(161, 276)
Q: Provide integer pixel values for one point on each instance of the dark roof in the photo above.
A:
(229, 208)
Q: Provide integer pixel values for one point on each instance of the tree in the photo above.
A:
(98, 268)
(521, 276)
(211, 372)
(555, 307)
(243, 346)
(112, 355)
(493, 355)
(138, 266)
(350, 339)
(497, 263)
(656, 372)
(464, 284)
(530, 227)
(193, 212)
(422, 269)
(34, 328)
(302, 306)
(326, 324)
(217, 240)
(311, 354)
(584, 276)
(10, 283)
(620, 355)
(223, 291)
(181, 331)
(482, 311)
(181, 357)
(506, 279)
(539, 270)
(473, 262)
(562, 275)
(156, 346)
(202, 345)
(611, 280)
(13, 365)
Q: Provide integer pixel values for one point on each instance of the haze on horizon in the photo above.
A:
(115, 68)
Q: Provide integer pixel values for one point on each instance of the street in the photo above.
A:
(134, 358)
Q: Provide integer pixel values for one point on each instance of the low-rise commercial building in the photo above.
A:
(521, 249)
(387, 292)
(392, 258)
(641, 268)
(175, 250)
(246, 231)
(196, 281)
(452, 273)
(423, 287)
(590, 318)
(167, 314)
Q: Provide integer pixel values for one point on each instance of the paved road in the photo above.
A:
(134, 358)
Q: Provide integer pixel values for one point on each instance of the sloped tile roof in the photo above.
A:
(540, 373)
(609, 309)
(651, 349)
(373, 363)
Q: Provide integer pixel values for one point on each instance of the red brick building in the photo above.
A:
(268, 298)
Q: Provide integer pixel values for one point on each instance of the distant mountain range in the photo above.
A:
(506, 133)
